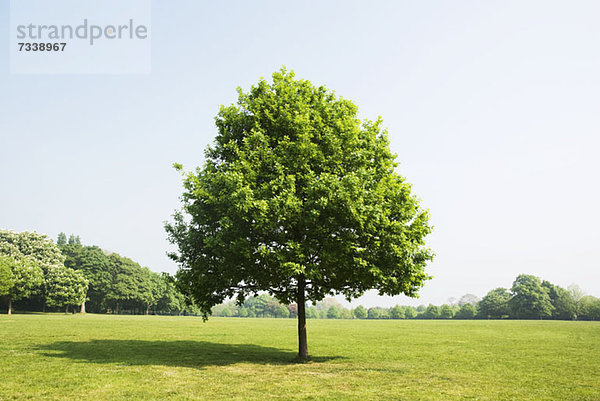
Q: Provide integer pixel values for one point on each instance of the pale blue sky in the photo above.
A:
(492, 107)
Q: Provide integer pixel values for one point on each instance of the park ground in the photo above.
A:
(103, 357)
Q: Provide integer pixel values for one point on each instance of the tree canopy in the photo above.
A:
(299, 198)
(6, 275)
(529, 298)
(495, 304)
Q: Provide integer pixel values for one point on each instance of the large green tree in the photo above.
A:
(127, 282)
(36, 247)
(299, 198)
(171, 300)
(467, 311)
(26, 276)
(95, 266)
(34, 255)
(65, 287)
(6, 276)
(495, 304)
(565, 307)
(530, 300)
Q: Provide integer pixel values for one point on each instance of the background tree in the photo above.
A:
(171, 300)
(32, 253)
(467, 311)
(576, 294)
(27, 279)
(360, 312)
(468, 299)
(529, 299)
(151, 287)
(374, 313)
(293, 310)
(95, 266)
(312, 313)
(564, 305)
(6, 275)
(589, 308)
(494, 304)
(37, 247)
(432, 312)
(334, 313)
(257, 305)
(410, 312)
(397, 312)
(61, 240)
(446, 312)
(124, 288)
(74, 240)
(274, 309)
(65, 287)
(298, 198)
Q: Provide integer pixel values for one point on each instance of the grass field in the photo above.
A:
(95, 357)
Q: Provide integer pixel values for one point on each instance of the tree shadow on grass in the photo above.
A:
(193, 354)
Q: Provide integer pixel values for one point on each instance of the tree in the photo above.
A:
(529, 299)
(410, 312)
(300, 199)
(334, 313)
(312, 313)
(258, 304)
(590, 308)
(327, 303)
(125, 284)
(397, 312)
(494, 304)
(446, 311)
(374, 313)
(273, 309)
(467, 311)
(468, 299)
(33, 254)
(151, 287)
(6, 275)
(360, 312)
(171, 300)
(61, 240)
(293, 310)
(65, 287)
(74, 240)
(37, 247)
(432, 312)
(564, 305)
(96, 267)
(27, 279)
(577, 295)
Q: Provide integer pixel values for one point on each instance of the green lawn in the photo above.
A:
(96, 357)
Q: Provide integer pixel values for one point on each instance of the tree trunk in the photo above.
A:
(82, 307)
(147, 308)
(301, 301)
(9, 305)
(67, 309)
(117, 309)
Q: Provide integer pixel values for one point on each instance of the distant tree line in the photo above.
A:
(38, 275)
(528, 298)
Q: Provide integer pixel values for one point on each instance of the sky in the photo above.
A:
(492, 108)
